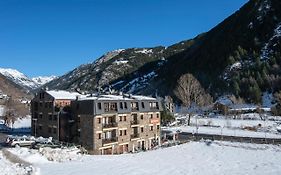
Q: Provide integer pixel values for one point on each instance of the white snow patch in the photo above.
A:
(41, 80)
(144, 51)
(119, 62)
(236, 65)
(266, 51)
(267, 100)
(23, 122)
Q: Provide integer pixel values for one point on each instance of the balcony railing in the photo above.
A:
(110, 125)
(135, 135)
(134, 122)
(109, 140)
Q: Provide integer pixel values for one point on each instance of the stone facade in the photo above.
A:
(118, 124)
(103, 124)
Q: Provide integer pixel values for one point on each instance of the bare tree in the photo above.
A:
(189, 91)
(14, 110)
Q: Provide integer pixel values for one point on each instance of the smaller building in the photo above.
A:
(169, 104)
(51, 116)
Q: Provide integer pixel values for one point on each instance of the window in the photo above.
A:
(151, 128)
(78, 119)
(41, 104)
(50, 105)
(158, 127)
(153, 105)
(125, 118)
(121, 105)
(113, 106)
(108, 107)
(151, 116)
(120, 133)
(120, 118)
(135, 106)
(99, 135)
(50, 116)
(46, 104)
(157, 115)
(141, 117)
(142, 105)
(50, 129)
(55, 117)
(125, 105)
(99, 120)
(40, 115)
(40, 127)
(99, 106)
(54, 130)
(125, 132)
(141, 129)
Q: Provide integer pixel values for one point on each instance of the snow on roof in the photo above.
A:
(117, 97)
(140, 97)
(224, 100)
(63, 95)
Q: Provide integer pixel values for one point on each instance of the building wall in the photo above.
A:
(45, 116)
(123, 130)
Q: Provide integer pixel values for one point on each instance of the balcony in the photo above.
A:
(110, 125)
(134, 122)
(109, 140)
(135, 135)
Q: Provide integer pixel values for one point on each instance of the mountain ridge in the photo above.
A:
(239, 56)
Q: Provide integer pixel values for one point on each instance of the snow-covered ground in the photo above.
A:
(251, 126)
(225, 131)
(22, 123)
(9, 168)
(196, 158)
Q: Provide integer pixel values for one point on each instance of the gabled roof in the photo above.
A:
(63, 95)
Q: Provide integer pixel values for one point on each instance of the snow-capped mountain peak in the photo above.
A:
(41, 80)
(18, 78)
(24, 81)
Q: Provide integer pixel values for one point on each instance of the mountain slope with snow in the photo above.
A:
(240, 56)
(117, 64)
(23, 81)
(19, 78)
(41, 80)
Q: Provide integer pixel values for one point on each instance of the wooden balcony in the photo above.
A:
(110, 125)
(109, 140)
(135, 135)
(135, 122)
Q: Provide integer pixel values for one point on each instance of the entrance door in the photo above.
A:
(143, 145)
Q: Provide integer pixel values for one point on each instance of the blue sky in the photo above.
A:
(51, 37)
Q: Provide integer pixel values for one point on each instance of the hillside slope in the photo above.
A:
(240, 56)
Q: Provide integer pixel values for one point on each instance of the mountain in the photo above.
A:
(19, 78)
(41, 80)
(240, 56)
(10, 88)
(114, 65)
